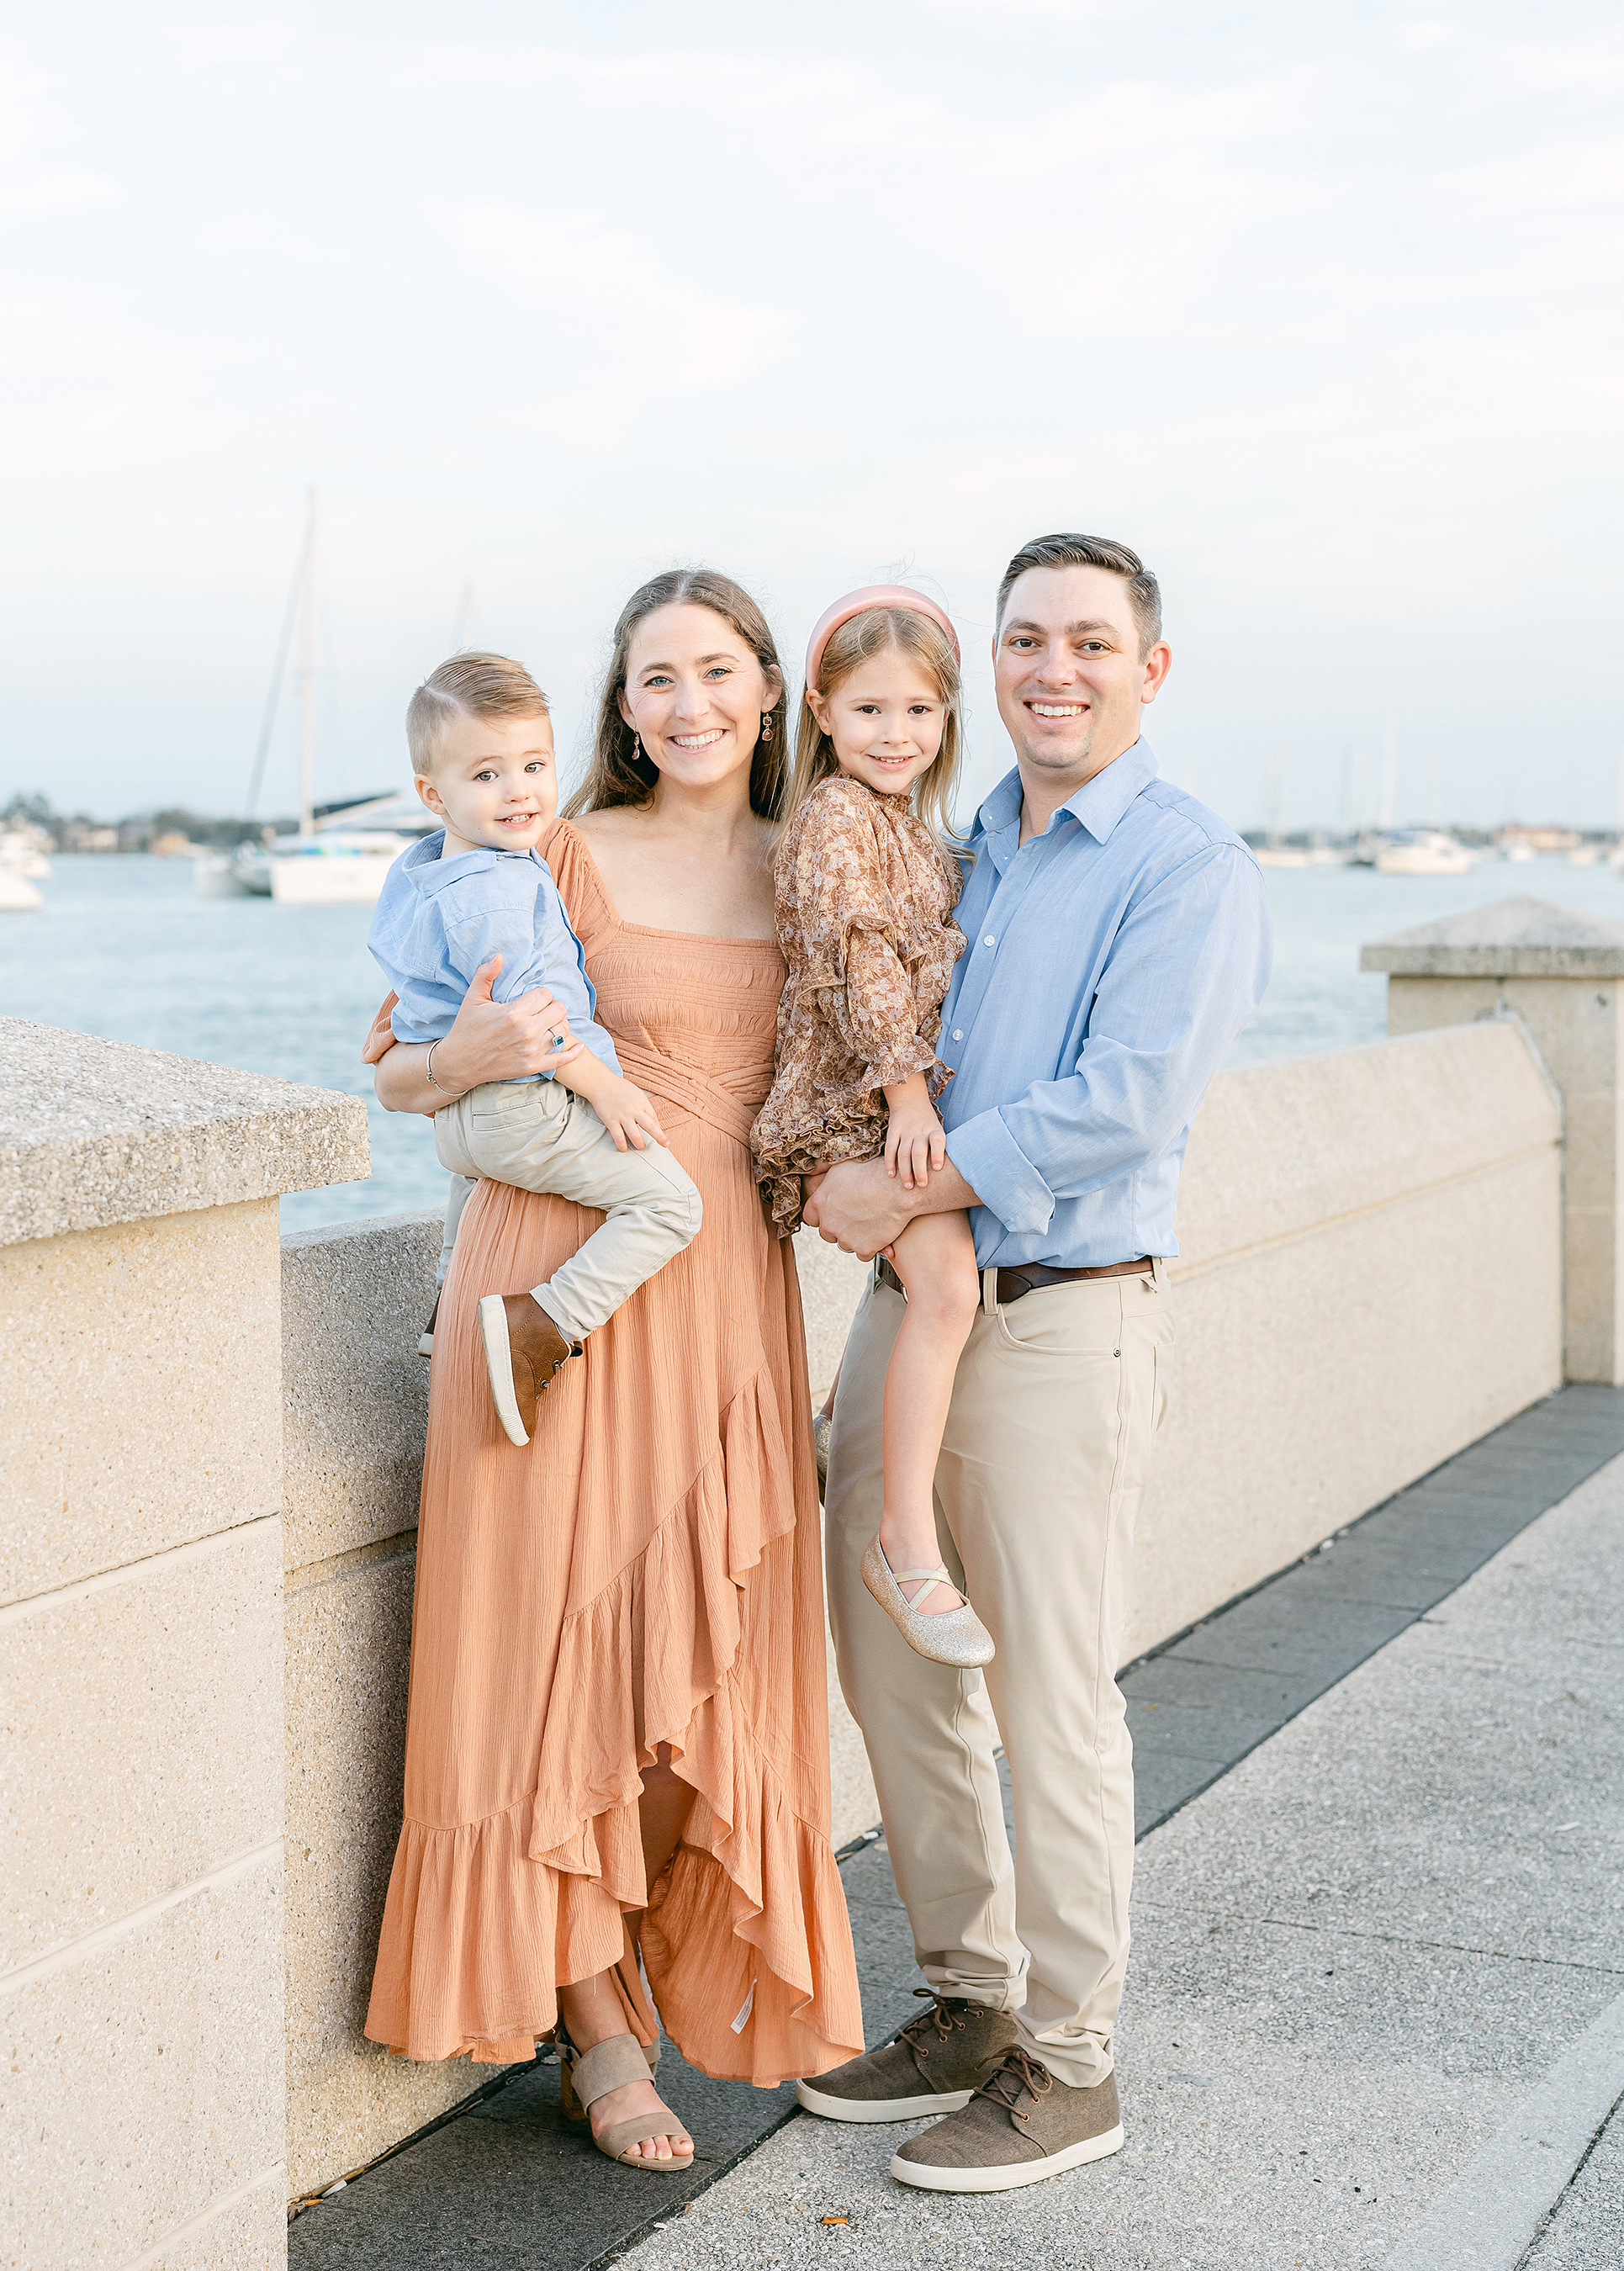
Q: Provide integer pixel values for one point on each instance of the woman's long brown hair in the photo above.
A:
(619, 772)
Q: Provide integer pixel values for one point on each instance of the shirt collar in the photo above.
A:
(1097, 805)
(432, 874)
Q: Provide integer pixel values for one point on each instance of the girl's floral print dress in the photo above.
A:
(865, 901)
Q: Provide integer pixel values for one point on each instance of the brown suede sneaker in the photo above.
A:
(1019, 2127)
(524, 1348)
(931, 2067)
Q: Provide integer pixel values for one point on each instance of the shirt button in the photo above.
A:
(990, 940)
(958, 1032)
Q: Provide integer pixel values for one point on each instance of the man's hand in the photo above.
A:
(859, 1207)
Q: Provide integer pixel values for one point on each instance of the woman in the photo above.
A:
(618, 1714)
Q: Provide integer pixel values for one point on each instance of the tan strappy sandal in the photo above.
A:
(584, 2076)
(958, 1637)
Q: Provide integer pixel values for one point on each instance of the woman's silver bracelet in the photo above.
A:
(428, 1072)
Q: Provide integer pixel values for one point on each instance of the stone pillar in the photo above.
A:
(141, 1646)
(1563, 974)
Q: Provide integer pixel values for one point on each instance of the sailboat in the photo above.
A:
(343, 851)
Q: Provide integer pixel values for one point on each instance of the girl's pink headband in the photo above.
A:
(858, 603)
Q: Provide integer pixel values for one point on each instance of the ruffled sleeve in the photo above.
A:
(848, 943)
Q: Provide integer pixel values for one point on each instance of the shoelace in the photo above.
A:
(1019, 2072)
(939, 2016)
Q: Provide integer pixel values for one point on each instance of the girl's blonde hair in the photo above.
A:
(922, 639)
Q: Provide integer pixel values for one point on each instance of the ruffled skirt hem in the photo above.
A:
(745, 1939)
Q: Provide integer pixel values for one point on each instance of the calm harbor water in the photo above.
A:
(124, 947)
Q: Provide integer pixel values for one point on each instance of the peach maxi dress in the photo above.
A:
(647, 1571)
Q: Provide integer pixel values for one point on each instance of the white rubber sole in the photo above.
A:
(882, 2109)
(499, 1364)
(1009, 2180)
(425, 1344)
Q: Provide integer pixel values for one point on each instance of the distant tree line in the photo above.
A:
(137, 831)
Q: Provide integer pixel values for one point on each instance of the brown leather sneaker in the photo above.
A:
(524, 1348)
(931, 2067)
(1019, 2127)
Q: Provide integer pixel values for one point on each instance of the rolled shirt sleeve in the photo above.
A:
(1187, 966)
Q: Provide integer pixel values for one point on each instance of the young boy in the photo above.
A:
(481, 743)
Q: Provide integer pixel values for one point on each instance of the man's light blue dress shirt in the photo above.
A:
(437, 920)
(1108, 965)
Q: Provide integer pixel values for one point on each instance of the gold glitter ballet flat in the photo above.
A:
(958, 1637)
(820, 1448)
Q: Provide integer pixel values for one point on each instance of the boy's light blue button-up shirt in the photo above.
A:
(437, 920)
(1108, 965)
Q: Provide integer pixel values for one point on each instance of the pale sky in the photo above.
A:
(1317, 308)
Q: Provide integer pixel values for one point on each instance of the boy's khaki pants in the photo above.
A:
(537, 1136)
(1057, 1402)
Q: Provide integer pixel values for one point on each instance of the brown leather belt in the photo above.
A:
(1031, 1276)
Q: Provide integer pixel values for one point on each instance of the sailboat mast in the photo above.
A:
(307, 690)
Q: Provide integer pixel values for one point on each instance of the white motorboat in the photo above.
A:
(20, 854)
(343, 868)
(1428, 852)
(18, 895)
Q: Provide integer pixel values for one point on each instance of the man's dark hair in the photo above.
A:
(1092, 552)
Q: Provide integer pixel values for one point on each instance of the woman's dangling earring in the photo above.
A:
(766, 725)
(636, 747)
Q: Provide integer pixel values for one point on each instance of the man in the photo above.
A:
(1117, 938)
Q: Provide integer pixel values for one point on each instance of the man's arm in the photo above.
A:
(1185, 972)
(1186, 969)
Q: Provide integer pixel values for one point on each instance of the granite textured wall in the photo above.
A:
(142, 2098)
(355, 1401)
(1369, 1278)
(1562, 973)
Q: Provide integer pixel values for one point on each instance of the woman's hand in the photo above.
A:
(914, 1142)
(488, 1040)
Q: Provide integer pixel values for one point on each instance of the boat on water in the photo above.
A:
(18, 895)
(1423, 852)
(341, 861)
(21, 861)
(20, 852)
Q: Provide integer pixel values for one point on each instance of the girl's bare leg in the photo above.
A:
(593, 2009)
(934, 1257)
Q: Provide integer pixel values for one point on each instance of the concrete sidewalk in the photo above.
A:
(1375, 2013)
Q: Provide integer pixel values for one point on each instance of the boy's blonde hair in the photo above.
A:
(468, 685)
(922, 639)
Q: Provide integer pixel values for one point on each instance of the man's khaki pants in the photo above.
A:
(1057, 1402)
(535, 1135)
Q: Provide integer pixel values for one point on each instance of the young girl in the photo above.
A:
(865, 895)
